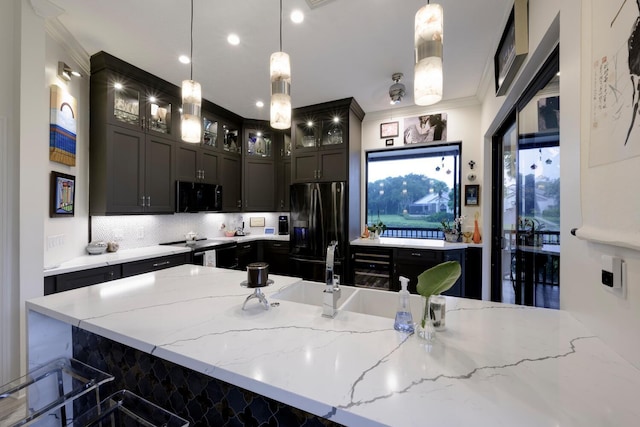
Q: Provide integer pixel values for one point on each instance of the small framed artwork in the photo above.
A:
(388, 142)
(513, 47)
(472, 195)
(389, 130)
(63, 194)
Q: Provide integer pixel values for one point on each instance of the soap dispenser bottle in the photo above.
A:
(404, 319)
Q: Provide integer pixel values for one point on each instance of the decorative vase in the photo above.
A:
(424, 328)
(373, 235)
(476, 232)
(451, 237)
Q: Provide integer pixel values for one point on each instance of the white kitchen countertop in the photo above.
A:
(86, 262)
(495, 365)
(121, 256)
(396, 242)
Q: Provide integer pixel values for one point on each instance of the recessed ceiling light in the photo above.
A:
(184, 59)
(233, 39)
(297, 16)
(259, 104)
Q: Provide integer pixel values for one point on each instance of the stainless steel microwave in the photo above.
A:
(198, 197)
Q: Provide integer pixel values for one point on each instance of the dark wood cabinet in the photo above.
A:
(246, 253)
(131, 172)
(276, 254)
(154, 264)
(196, 164)
(259, 161)
(92, 276)
(410, 263)
(133, 129)
(79, 279)
(473, 273)
(231, 179)
(326, 141)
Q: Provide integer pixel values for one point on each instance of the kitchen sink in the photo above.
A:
(379, 303)
(307, 292)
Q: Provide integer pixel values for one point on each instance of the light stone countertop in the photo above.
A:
(495, 365)
(396, 242)
(87, 262)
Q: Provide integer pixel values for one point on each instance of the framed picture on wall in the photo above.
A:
(389, 130)
(63, 194)
(472, 195)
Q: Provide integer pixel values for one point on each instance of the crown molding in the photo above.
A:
(62, 36)
(416, 110)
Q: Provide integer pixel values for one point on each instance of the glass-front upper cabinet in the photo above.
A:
(327, 130)
(136, 107)
(209, 131)
(259, 143)
(333, 131)
(158, 114)
(230, 141)
(286, 150)
(307, 133)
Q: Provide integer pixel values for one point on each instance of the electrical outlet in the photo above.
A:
(55, 241)
(613, 275)
(140, 233)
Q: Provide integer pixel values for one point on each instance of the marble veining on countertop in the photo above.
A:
(496, 364)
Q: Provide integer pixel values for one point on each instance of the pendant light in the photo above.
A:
(280, 73)
(191, 122)
(427, 85)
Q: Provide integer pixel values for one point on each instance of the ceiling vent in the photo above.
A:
(317, 3)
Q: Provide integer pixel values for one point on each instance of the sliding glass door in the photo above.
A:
(526, 218)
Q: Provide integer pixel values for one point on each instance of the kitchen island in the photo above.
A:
(496, 364)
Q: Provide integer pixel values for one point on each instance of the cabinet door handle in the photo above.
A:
(418, 254)
(142, 122)
(159, 264)
(148, 200)
(142, 201)
(239, 203)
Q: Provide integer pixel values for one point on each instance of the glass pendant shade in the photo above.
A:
(191, 124)
(280, 72)
(427, 85)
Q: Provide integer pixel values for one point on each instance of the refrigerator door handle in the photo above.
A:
(320, 211)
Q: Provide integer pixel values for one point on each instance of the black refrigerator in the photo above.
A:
(318, 216)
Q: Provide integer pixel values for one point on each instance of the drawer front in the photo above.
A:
(79, 279)
(419, 255)
(154, 264)
(278, 247)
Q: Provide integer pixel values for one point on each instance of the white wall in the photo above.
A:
(616, 320)
(463, 125)
(9, 147)
(70, 235)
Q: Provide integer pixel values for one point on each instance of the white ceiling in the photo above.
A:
(343, 48)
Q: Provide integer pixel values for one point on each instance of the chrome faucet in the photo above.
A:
(332, 289)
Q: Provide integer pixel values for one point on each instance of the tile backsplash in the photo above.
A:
(134, 231)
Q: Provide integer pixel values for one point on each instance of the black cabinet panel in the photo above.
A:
(276, 254)
(153, 264)
(473, 273)
(410, 263)
(79, 279)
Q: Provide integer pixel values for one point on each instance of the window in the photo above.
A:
(412, 189)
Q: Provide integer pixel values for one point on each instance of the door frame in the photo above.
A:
(548, 70)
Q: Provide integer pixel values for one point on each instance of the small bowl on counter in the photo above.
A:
(97, 247)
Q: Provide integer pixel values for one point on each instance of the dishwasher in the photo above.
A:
(225, 252)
